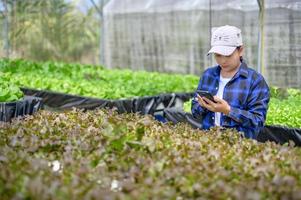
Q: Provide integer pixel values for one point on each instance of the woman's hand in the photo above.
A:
(220, 105)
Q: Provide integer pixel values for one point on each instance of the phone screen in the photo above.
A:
(207, 94)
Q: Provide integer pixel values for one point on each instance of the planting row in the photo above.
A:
(88, 155)
(94, 81)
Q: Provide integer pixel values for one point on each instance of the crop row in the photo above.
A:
(93, 81)
(88, 155)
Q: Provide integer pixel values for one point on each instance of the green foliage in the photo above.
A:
(284, 107)
(8, 91)
(285, 111)
(52, 30)
(87, 155)
(94, 81)
(187, 106)
(282, 93)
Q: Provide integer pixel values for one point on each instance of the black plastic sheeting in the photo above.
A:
(280, 135)
(27, 106)
(153, 105)
(177, 115)
(277, 134)
(165, 107)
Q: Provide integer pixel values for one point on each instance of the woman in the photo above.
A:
(241, 94)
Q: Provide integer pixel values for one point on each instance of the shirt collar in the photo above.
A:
(242, 71)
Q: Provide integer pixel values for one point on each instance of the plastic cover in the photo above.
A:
(131, 6)
(153, 105)
(27, 106)
(174, 35)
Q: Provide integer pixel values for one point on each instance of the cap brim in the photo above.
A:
(222, 50)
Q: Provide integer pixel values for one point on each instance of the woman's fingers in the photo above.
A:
(207, 104)
(220, 106)
(217, 99)
(208, 101)
(201, 101)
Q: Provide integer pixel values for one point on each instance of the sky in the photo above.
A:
(82, 5)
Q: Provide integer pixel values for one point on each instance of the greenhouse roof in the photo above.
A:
(132, 6)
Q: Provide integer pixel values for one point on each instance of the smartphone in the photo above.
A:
(207, 94)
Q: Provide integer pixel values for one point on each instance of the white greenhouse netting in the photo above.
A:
(174, 35)
(282, 43)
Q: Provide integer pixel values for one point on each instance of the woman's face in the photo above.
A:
(231, 62)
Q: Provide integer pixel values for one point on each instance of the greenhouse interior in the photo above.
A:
(150, 99)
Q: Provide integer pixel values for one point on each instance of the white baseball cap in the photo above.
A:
(225, 39)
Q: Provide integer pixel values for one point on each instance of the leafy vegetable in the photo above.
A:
(8, 91)
(87, 155)
(94, 81)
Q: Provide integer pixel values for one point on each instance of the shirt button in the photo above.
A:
(216, 88)
(212, 117)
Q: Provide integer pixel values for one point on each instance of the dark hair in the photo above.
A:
(240, 58)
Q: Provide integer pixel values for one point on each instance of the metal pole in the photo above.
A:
(6, 30)
(210, 31)
(101, 31)
(210, 22)
(260, 63)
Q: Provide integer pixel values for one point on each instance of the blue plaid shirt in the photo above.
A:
(248, 95)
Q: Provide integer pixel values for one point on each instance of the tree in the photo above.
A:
(51, 30)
